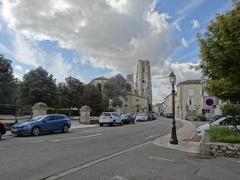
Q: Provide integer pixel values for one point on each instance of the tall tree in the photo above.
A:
(71, 93)
(38, 86)
(220, 53)
(7, 81)
(93, 98)
(115, 88)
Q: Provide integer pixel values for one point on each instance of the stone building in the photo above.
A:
(143, 81)
(192, 100)
(99, 80)
(130, 80)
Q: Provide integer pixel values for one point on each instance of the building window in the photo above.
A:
(143, 81)
(190, 93)
(137, 99)
(190, 102)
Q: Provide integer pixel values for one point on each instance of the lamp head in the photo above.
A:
(172, 78)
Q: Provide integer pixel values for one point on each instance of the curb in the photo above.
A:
(185, 134)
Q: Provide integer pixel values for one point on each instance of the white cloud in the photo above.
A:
(107, 33)
(184, 43)
(195, 24)
(162, 88)
(188, 8)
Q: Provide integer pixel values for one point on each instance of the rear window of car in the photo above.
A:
(105, 114)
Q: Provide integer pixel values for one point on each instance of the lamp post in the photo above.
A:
(172, 79)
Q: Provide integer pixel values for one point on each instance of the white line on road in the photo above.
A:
(119, 178)
(79, 137)
(37, 141)
(151, 136)
(233, 160)
(159, 158)
(75, 169)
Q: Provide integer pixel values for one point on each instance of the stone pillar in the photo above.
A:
(85, 114)
(39, 108)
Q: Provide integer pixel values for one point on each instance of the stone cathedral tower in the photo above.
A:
(143, 81)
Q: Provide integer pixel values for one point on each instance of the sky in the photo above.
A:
(86, 39)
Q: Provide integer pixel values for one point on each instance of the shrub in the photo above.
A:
(231, 109)
(200, 117)
(224, 134)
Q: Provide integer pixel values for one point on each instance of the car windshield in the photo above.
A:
(219, 120)
(105, 114)
(37, 118)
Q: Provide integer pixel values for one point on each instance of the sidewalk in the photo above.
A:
(75, 125)
(185, 135)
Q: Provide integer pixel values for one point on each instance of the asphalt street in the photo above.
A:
(108, 153)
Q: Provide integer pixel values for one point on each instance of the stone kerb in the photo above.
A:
(85, 114)
(39, 108)
(217, 148)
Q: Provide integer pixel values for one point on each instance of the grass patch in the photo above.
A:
(224, 134)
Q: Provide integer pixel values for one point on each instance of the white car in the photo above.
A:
(224, 121)
(110, 118)
(141, 117)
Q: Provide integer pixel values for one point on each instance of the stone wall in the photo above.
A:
(218, 149)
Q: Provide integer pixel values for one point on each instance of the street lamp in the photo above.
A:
(172, 79)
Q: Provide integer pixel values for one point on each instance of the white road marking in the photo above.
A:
(37, 141)
(159, 158)
(151, 136)
(87, 131)
(78, 137)
(78, 168)
(117, 177)
(233, 160)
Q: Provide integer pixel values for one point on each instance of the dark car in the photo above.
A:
(216, 117)
(42, 124)
(128, 118)
(169, 115)
(2, 130)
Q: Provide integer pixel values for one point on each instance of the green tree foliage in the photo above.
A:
(38, 86)
(93, 98)
(7, 81)
(70, 93)
(115, 88)
(231, 109)
(220, 52)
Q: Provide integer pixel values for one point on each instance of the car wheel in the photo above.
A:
(35, 131)
(65, 128)
(133, 122)
(121, 123)
(100, 124)
(0, 135)
(114, 123)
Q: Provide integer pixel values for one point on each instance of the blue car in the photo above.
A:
(42, 124)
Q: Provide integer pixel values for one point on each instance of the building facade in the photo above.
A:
(192, 100)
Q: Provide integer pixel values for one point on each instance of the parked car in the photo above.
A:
(153, 116)
(128, 118)
(2, 129)
(224, 121)
(141, 117)
(110, 118)
(216, 117)
(42, 124)
(169, 115)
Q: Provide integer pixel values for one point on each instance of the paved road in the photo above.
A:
(107, 153)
